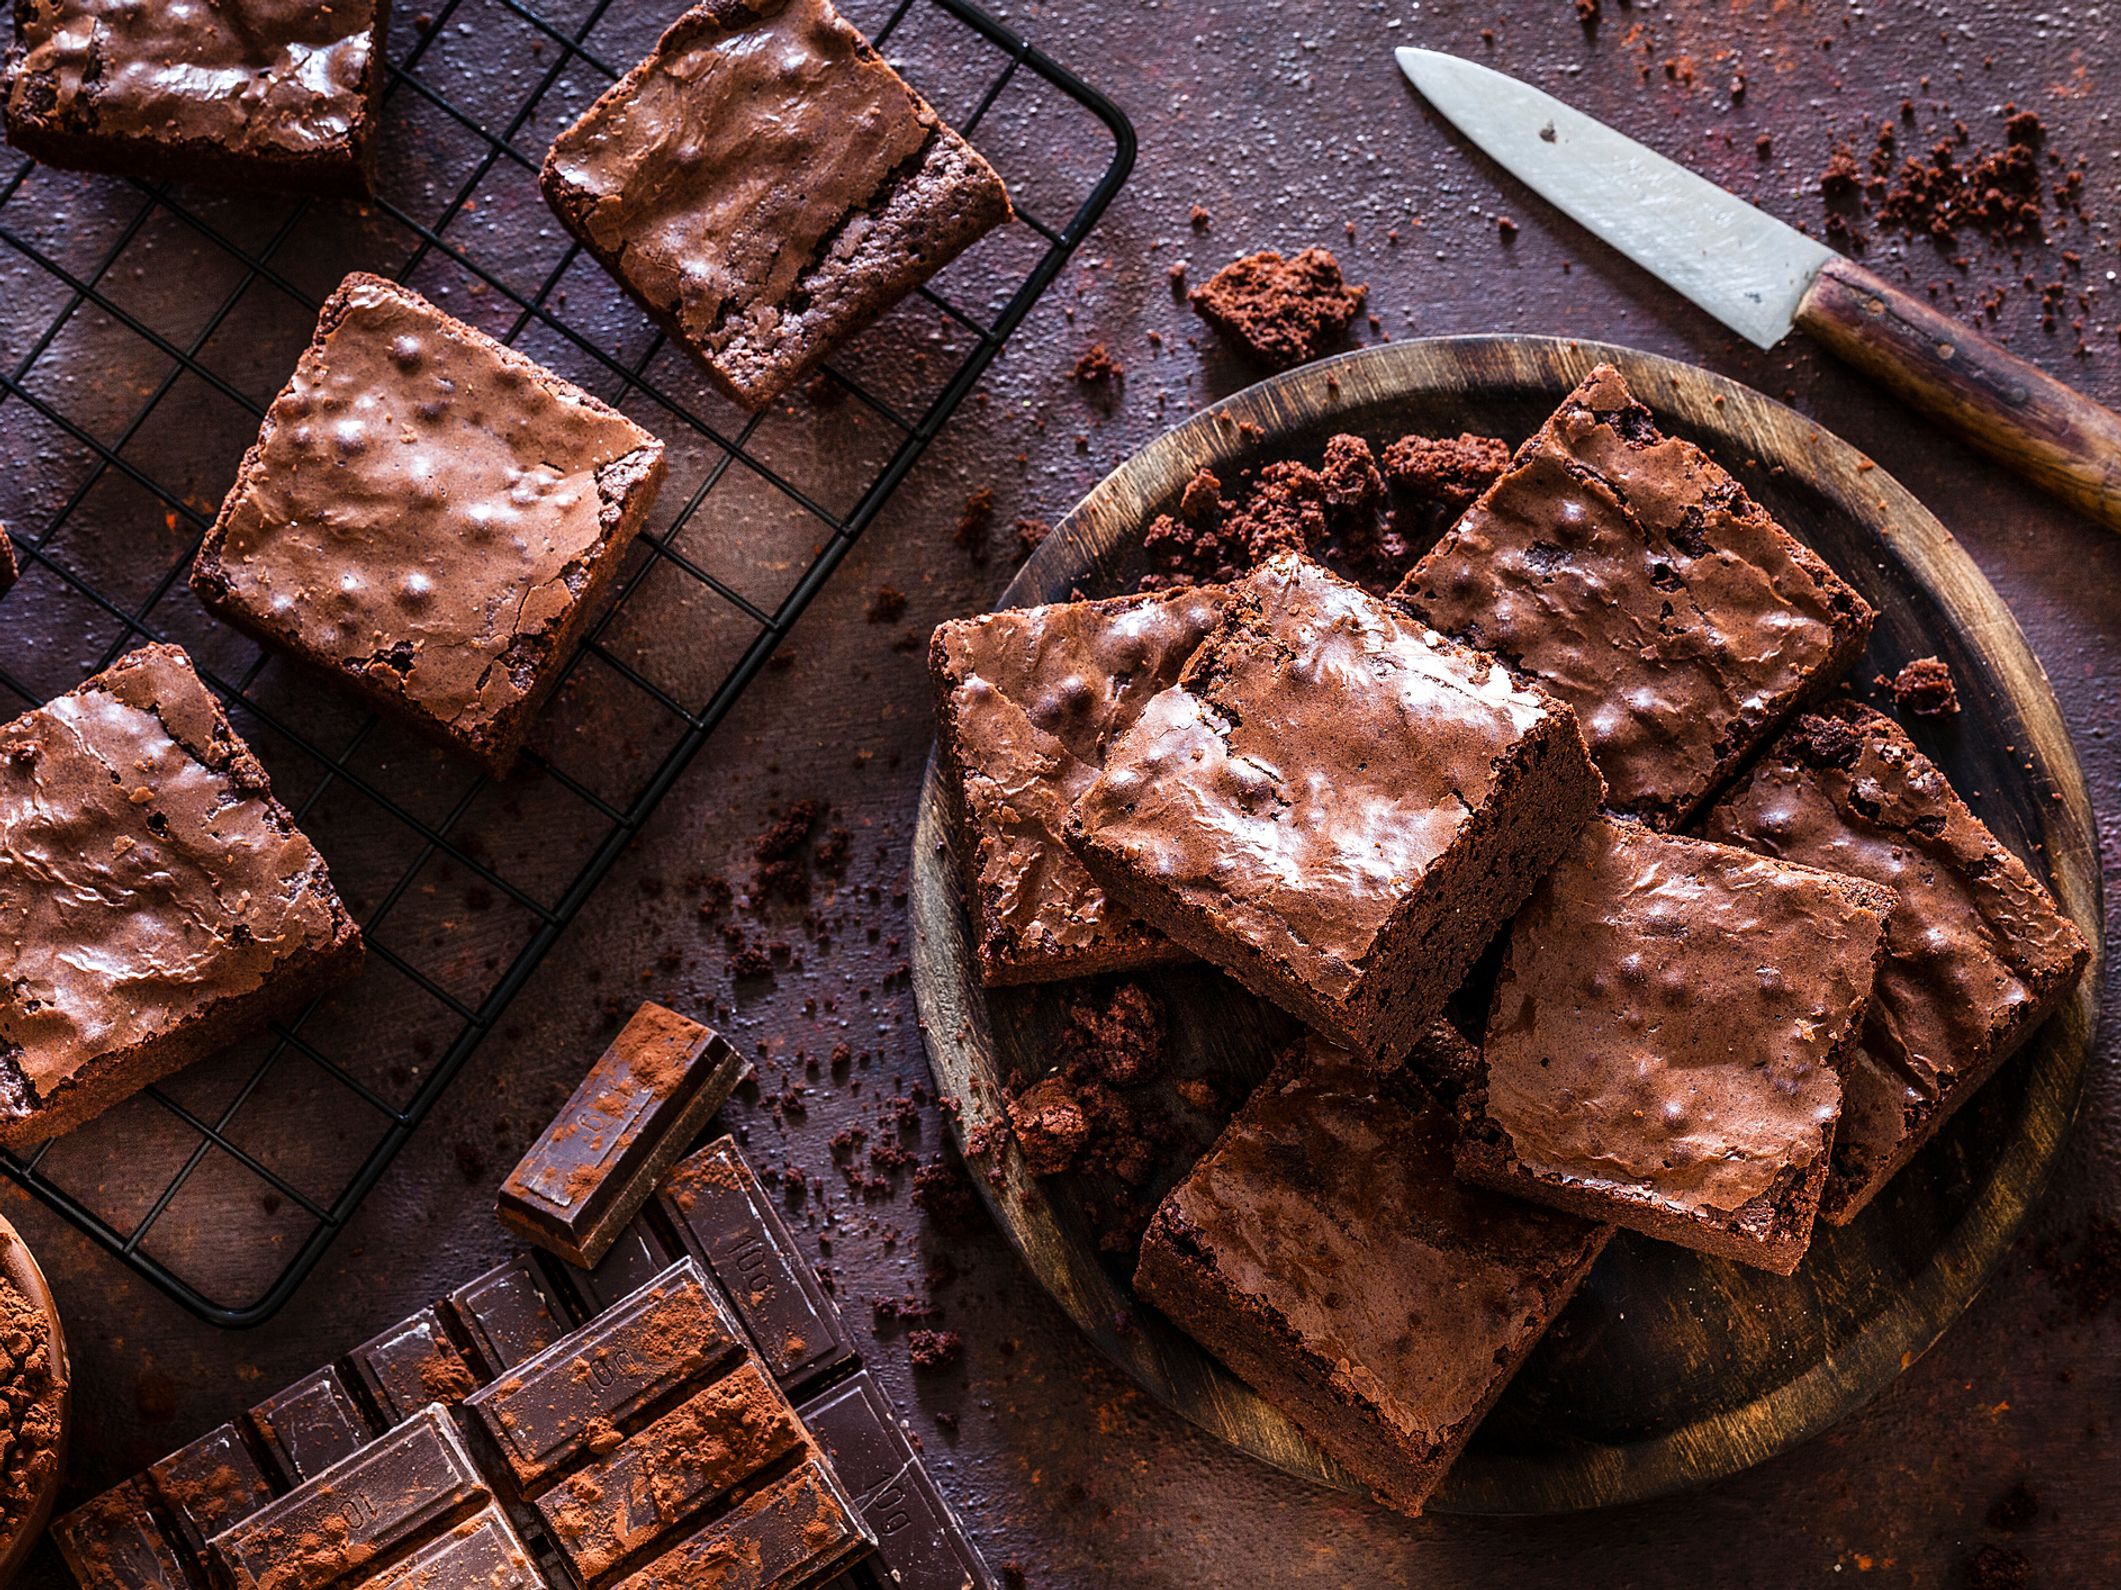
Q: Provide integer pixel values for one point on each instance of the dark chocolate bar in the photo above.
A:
(114, 1543)
(724, 1216)
(641, 1105)
(506, 1316)
(482, 1553)
(797, 1532)
(640, 1254)
(922, 1544)
(209, 1484)
(310, 1426)
(654, 1342)
(358, 1516)
(410, 1365)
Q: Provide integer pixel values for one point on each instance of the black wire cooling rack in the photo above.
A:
(144, 328)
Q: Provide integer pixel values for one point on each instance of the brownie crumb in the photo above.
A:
(2014, 1509)
(1121, 1037)
(888, 605)
(1587, 12)
(1051, 1128)
(1505, 227)
(943, 1192)
(1451, 471)
(1925, 688)
(1097, 367)
(1031, 534)
(934, 1349)
(1200, 220)
(1201, 498)
(781, 850)
(1283, 312)
(1764, 146)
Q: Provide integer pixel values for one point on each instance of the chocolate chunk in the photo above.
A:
(638, 1108)
(797, 1532)
(357, 1517)
(765, 184)
(310, 1426)
(557, 1404)
(604, 1511)
(728, 1222)
(115, 1543)
(507, 1317)
(410, 1365)
(638, 1256)
(210, 1484)
(922, 1544)
(482, 1553)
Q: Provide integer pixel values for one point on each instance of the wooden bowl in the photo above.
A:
(1669, 1368)
(19, 1265)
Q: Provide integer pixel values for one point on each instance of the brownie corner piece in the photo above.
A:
(208, 910)
(765, 184)
(1978, 955)
(1331, 1173)
(429, 517)
(1026, 701)
(1667, 1038)
(253, 94)
(1634, 577)
(1336, 804)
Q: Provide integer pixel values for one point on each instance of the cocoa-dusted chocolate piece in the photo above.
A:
(310, 1425)
(920, 1541)
(1282, 312)
(795, 1533)
(114, 1542)
(243, 93)
(410, 1365)
(429, 517)
(640, 1254)
(1665, 1045)
(156, 902)
(635, 1111)
(765, 185)
(507, 1317)
(209, 1484)
(1976, 958)
(358, 1516)
(1026, 703)
(1324, 1250)
(1336, 804)
(728, 1223)
(482, 1553)
(1633, 577)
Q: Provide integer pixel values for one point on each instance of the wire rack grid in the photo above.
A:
(143, 329)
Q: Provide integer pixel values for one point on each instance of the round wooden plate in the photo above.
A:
(1669, 1368)
(20, 1267)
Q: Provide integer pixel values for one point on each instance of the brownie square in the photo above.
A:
(1976, 954)
(1335, 804)
(765, 184)
(1323, 1250)
(1631, 576)
(242, 93)
(1665, 1045)
(1026, 703)
(429, 517)
(156, 902)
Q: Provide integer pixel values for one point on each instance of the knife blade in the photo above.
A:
(1762, 277)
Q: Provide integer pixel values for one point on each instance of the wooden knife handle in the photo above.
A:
(2055, 437)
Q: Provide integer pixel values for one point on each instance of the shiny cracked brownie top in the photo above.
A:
(146, 873)
(1669, 1012)
(423, 508)
(1033, 698)
(1632, 576)
(268, 77)
(1322, 750)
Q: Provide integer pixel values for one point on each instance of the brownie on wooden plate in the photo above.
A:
(1335, 804)
(765, 184)
(245, 93)
(429, 517)
(156, 902)
(1323, 1250)
(1026, 703)
(1976, 955)
(1665, 1045)
(1631, 576)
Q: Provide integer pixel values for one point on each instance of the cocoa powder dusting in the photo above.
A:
(30, 1449)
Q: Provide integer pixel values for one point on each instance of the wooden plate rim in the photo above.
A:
(1697, 401)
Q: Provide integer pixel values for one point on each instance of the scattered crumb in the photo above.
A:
(1097, 367)
(1031, 534)
(935, 1349)
(888, 605)
(1925, 688)
(1283, 312)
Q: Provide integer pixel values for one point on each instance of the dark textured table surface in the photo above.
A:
(1286, 124)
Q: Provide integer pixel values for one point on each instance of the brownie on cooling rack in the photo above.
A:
(156, 902)
(245, 93)
(429, 517)
(765, 185)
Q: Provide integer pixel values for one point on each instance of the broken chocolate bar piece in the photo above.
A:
(726, 1219)
(507, 1316)
(310, 1426)
(115, 1543)
(637, 1110)
(209, 1484)
(410, 1365)
(482, 1553)
(797, 1532)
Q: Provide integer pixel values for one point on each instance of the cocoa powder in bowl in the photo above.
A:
(32, 1394)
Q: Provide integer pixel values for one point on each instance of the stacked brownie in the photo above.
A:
(1340, 799)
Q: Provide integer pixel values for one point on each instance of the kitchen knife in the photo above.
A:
(1760, 277)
